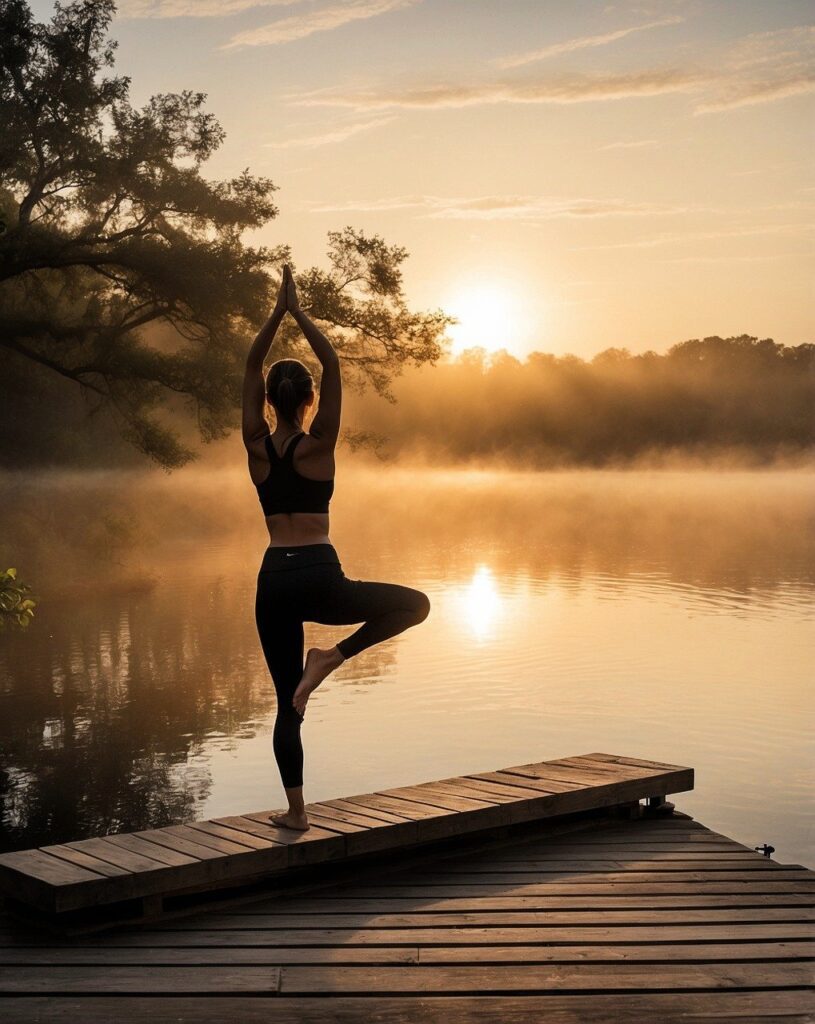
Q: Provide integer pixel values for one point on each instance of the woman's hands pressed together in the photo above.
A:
(292, 301)
(282, 304)
(287, 300)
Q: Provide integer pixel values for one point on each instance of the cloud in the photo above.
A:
(763, 67)
(337, 135)
(630, 145)
(561, 88)
(583, 42)
(193, 8)
(759, 68)
(669, 238)
(759, 258)
(501, 207)
(298, 26)
(748, 94)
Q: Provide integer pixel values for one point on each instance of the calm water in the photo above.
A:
(662, 615)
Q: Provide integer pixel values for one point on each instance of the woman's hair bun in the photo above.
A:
(288, 385)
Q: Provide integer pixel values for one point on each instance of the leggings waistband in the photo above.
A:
(277, 558)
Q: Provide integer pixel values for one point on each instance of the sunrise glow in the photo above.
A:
(491, 315)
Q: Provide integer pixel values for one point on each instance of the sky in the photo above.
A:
(566, 175)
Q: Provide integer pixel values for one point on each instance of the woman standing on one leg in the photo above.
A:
(301, 578)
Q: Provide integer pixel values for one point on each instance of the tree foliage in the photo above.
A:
(16, 607)
(124, 270)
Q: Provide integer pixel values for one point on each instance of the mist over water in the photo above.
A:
(660, 614)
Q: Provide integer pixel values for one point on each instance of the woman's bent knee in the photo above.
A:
(422, 609)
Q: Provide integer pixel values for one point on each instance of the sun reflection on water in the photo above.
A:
(479, 603)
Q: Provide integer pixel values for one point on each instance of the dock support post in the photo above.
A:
(658, 805)
(629, 811)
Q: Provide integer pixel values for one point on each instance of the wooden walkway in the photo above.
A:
(136, 876)
(586, 920)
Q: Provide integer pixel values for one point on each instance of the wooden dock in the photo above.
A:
(594, 911)
(134, 876)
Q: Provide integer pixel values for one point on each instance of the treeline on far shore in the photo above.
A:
(711, 394)
(701, 399)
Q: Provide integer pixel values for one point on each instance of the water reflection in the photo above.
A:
(479, 605)
(661, 618)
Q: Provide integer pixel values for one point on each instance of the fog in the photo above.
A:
(711, 400)
(69, 532)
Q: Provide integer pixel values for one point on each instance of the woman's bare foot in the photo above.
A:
(290, 820)
(319, 664)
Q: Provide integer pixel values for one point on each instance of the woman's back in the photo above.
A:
(294, 502)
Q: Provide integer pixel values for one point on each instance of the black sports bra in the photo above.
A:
(286, 490)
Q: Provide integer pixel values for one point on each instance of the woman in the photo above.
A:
(301, 578)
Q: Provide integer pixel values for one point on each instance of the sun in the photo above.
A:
(491, 314)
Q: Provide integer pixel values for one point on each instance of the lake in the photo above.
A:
(658, 614)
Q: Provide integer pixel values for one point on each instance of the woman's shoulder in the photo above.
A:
(260, 456)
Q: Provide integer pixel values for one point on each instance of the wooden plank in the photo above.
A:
(473, 790)
(222, 846)
(703, 952)
(633, 761)
(335, 825)
(745, 1007)
(169, 980)
(288, 852)
(600, 781)
(517, 879)
(169, 841)
(463, 935)
(506, 778)
(722, 888)
(330, 812)
(242, 838)
(296, 918)
(688, 855)
(83, 860)
(311, 847)
(615, 768)
(492, 790)
(582, 798)
(370, 811)
(638, 834)
(428, 794)
(655, 851)
(342, 901)
(48, 957)
(529, 869)
(583, 775)
(618, 977)
(407, 809)
(153, 850)
(46, 882)
(135, 863)
(266, 830)
(43, 867)
(238, 956)
(290, 836)
(709, 844)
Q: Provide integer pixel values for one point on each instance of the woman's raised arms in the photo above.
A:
(325, 426)
(254, 425)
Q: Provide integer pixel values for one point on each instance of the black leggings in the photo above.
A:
(306, 583)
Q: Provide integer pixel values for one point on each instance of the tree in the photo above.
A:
(125, 271)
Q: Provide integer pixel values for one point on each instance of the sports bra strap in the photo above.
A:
(271, 451)
(293, 444)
